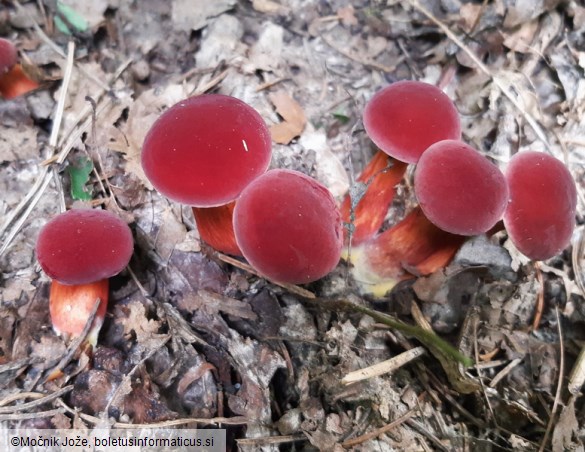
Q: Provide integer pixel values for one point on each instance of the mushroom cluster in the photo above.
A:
(460, 192)
(212, 152)
(80, 250)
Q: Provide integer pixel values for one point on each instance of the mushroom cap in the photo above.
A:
(405, 118)
(540, 216)
(458, 189)
(8, 55)
(84, 245)
(204, 150)
(288, 227)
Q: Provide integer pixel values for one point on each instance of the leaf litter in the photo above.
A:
(201, 339)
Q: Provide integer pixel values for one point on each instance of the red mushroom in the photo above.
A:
(8, 55)
(288, 227)
(80, 249)
(13, 79)
(202, 152)
(458, 189)
(540, 216)
(405, 118)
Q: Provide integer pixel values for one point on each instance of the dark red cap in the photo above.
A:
(204, 150)
(458, 189)
(8, 55)
(288, 227)
(82, 246)
(405, 118)
(540, 217)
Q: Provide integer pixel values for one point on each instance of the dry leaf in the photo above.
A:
(293, 115)
(141, 115)
(268, 7)
(347, 15)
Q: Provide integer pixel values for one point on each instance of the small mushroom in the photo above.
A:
(13, 79)
(458, 189)
(405, 118)
(540, 216)
(80, 249)
(8, 55)
(203, 152)
(288, 227)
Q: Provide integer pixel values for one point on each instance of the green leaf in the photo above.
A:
(343, 119)
(79, 174)
(72, 19)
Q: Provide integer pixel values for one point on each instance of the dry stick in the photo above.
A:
(37, 190)
(25, 416)
(384, 367)
(242, 266)
(479, 373)
(44, 398)
(364, 61)
(43, 179)
(539, 298)
(496, 80)
(236, 420)
(505, 371)
(55, 47)
(76, 343)
(556, 403)
(379, 431)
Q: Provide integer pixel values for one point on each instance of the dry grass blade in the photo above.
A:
(384, 367)
(21, 212)
(44, 398)
(379, 431)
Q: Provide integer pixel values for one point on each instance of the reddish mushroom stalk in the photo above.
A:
(14, 81)
(288, 227)
(381, 175)
(81, 249)
(203, 152)
(414, 246)
(540, 216)
(215, 226)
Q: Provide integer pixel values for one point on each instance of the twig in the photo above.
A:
(236, 420)
(76, 343)
(505, 371)
(364, 61)
(44, 398)
(243, 266)
(25, 416)
(379, 431)
(539, 298)
(556, 403)
(28, 203)
(496, 80)
(384, 367)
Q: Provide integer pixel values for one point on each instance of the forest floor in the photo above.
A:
(190, 339)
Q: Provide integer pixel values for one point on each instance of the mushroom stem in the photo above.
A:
(71, 306)
(16, 83)
(215, 226)
(414, 246)
(381, 175)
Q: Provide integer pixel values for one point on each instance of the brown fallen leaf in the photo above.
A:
(293, 115)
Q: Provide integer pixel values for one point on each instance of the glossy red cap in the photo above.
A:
(540, 217)
(405, 118)
(458, 189)
(84, 245)
(288, 227)
(8, 55)
(204, 150)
